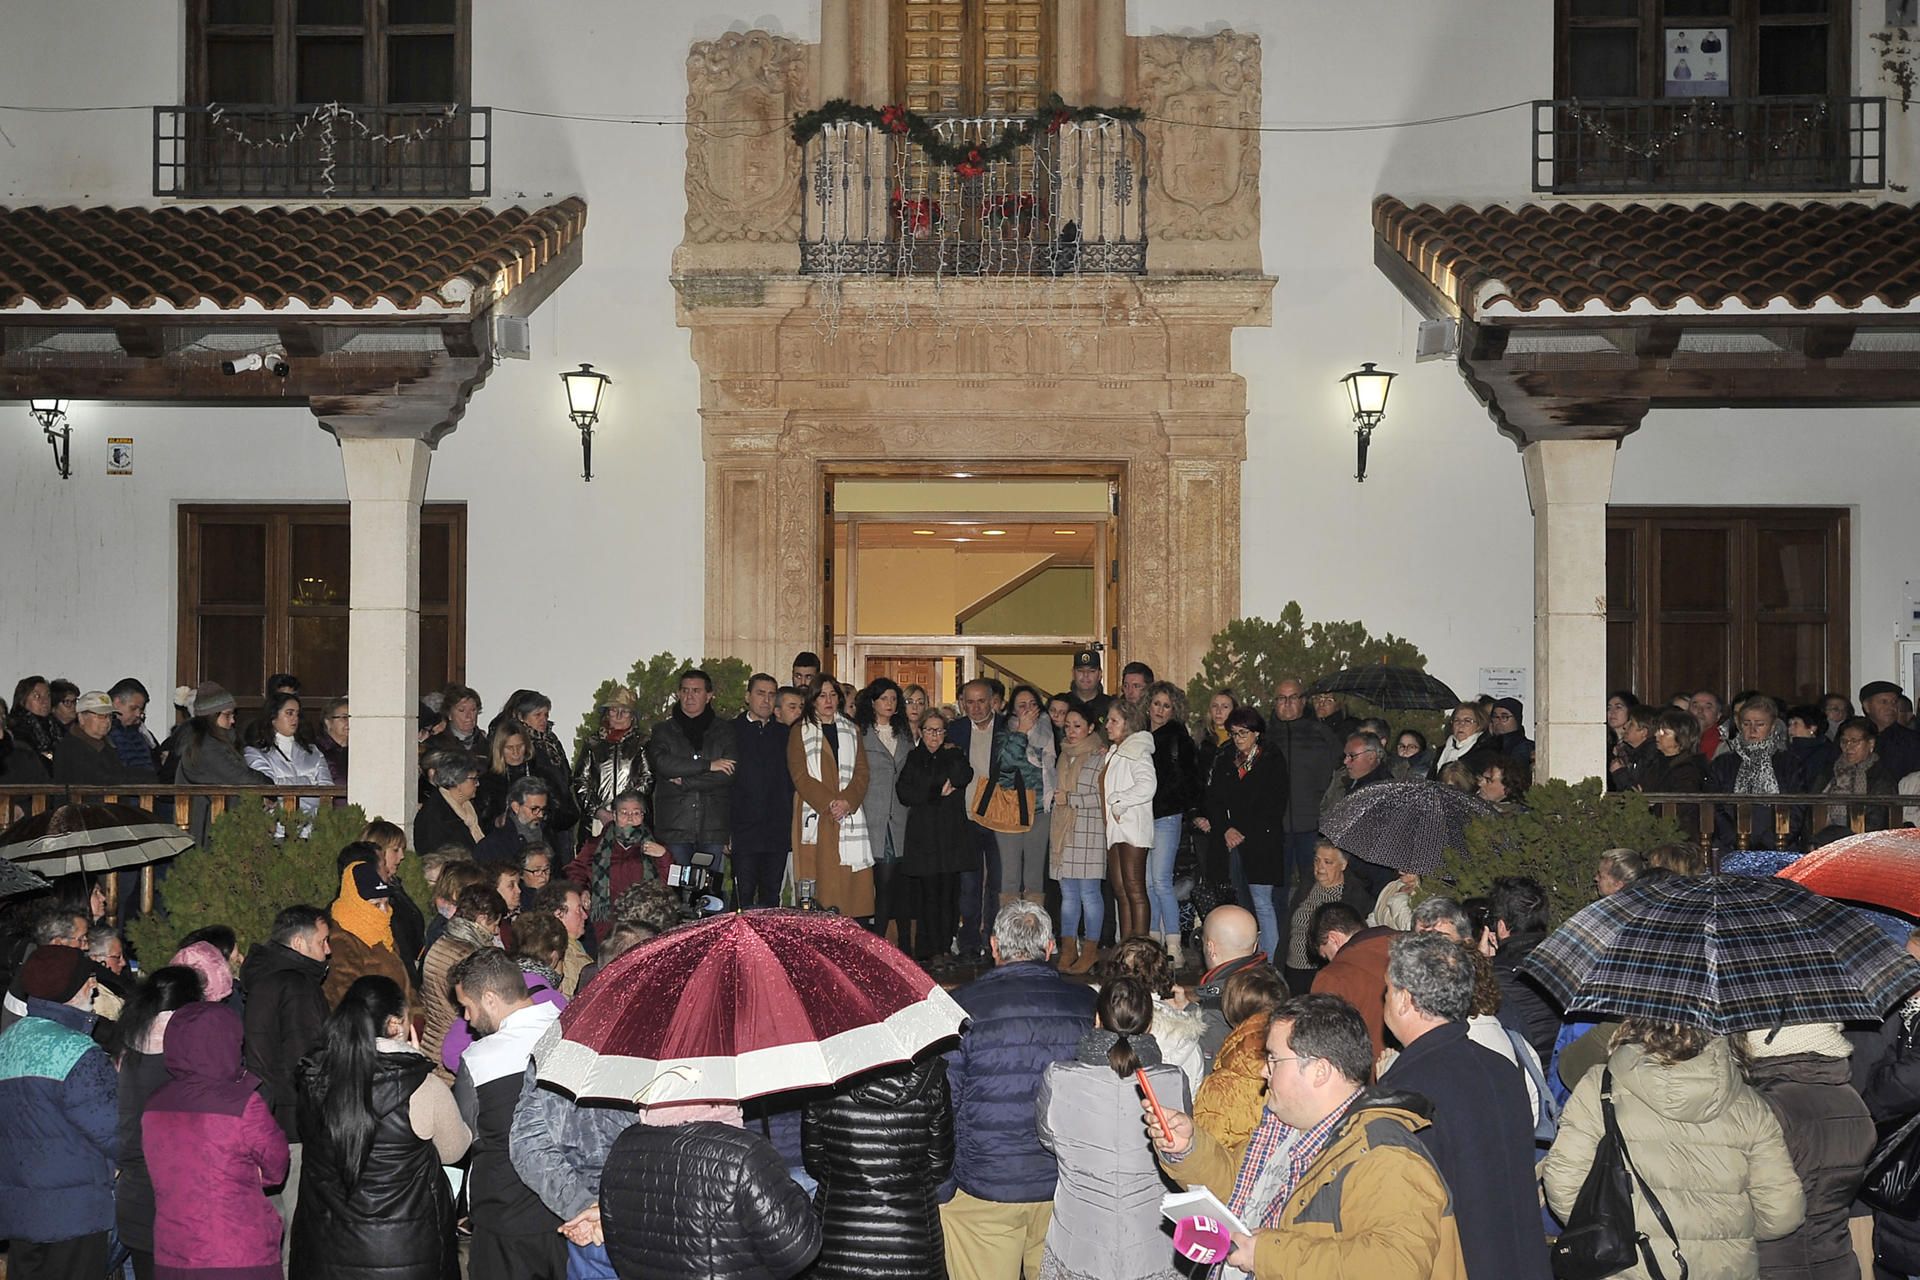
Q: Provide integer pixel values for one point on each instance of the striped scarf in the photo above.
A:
(855, 851)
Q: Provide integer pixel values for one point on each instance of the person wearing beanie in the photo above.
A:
(59, 1101)
(1804, 1074)
(362, 936)
(1506, 727)
(209, 757)
(216, 975)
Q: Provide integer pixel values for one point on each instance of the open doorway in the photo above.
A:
(937, 579)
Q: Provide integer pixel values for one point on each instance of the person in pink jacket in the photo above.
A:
(212, 1149)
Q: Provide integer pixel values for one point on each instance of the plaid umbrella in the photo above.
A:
(1724, 953)
(1394, 688)
(92, 837)
(18, 880)
(743, 1005)
(1408, 826)
(1877, 867)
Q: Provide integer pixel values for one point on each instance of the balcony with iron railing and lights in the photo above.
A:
(1070, 202)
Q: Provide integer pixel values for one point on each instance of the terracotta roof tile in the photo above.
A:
(1616, 255)
(182, 256)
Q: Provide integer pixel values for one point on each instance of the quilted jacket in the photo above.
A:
(1021, 1019)
(880, 1150)
(703, 1201)
(58, 1101)
(1707, 1144)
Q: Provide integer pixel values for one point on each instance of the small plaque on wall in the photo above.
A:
(120, 455)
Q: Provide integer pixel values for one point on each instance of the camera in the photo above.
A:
(696, 885)
(273, 362)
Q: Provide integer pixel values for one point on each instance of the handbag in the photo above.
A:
(1600, 1238)
(1000, 808)
(1893, 1171)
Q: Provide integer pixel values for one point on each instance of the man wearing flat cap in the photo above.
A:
(58, 1104)
(1897, 746)
(85, 756)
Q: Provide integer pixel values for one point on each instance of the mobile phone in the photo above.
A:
(1160, 1117)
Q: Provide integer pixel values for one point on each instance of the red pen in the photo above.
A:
(1160, 1117)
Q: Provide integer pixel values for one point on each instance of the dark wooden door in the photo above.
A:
(1727, 599)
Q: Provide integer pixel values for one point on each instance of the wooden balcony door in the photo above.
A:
(1727, 599)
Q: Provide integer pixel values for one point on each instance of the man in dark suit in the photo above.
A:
(978, 733)
(1481, 1137)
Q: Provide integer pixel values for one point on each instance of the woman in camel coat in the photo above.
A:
(826, 804)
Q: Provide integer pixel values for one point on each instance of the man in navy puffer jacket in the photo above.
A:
(1022, 1016)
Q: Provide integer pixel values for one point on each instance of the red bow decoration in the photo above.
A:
(971, 167)
(918, 214)
(1059, 118)
(894, 118)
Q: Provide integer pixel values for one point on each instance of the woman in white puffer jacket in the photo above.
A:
(1127, 783)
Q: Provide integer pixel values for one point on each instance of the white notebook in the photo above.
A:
(1185, 1204)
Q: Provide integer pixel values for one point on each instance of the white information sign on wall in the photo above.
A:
(1504, 682)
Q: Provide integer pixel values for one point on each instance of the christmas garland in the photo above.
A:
(968, 159)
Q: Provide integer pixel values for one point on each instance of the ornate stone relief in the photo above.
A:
(1204, 171)
(743, 172)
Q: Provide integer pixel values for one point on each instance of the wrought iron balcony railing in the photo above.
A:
(324, 152)
(1618, 146)
(1073, 202)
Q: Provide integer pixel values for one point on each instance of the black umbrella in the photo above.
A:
(1408, 826)
(15, 881)
(1394, 688)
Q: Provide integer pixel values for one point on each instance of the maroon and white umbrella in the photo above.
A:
(91, 837)
(747, 1004)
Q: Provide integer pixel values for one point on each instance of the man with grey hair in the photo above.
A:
(1363, 763)
(1443, 916)
(1481, 1137)
(524, 823)
(1022, 1017)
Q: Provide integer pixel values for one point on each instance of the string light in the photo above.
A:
(324, 118)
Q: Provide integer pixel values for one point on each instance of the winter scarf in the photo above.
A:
(464, 930)
(856, 853)
(464, 810)
(1823, 1038)
(359, 917)
(546, 973)
(1756, 776)
(1848, 780)
(1277, 1157)
(695, 727)
(1455, 748)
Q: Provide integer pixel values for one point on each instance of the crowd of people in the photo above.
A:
(1356, 1068)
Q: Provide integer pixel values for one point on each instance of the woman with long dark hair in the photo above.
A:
(139, 1053)
(280, 745)
(880, 711)
(377, 1127)
(1106, 1206)
(832, 843)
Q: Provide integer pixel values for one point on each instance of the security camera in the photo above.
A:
(277, 365)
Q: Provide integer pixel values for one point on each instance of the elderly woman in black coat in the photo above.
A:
(940, 841)
(880, 1148)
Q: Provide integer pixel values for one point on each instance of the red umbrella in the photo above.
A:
(1880, 868)
(747, 1004)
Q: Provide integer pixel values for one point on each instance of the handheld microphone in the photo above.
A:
(1202, 1239)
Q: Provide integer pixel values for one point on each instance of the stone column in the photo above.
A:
(1568, 482)
(386, 482)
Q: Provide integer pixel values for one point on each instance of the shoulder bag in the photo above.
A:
(1601, 1238)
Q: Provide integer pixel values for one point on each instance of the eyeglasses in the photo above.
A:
(1356, 755)
(1272, 1061)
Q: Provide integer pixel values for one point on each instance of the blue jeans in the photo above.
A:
(1081, 907)
(1267, 916)
(589, 1262)
(1165, 908)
